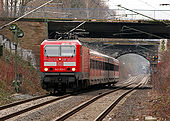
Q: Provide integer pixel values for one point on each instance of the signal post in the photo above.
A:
(17, 33)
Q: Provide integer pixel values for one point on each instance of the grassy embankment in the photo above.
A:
(30, 77)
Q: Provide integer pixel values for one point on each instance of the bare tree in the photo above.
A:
(88, 8)
(13, 8)
(22, 5)
(68, 9)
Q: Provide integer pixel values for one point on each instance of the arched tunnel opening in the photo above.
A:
(133, 65)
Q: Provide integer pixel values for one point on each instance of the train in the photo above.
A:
(68, 64)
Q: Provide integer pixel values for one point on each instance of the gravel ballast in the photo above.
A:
(51, 111)
(133, 108)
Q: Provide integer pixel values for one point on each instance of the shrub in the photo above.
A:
(161, 86)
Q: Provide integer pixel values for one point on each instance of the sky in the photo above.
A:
(140, 4)
(144, 5)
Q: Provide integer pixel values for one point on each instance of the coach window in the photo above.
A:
(116, 68)
(91, 63)
(98, 64)
(106, 66)
(80, 50)
(103, 65)
(95, 64)
(111, 67)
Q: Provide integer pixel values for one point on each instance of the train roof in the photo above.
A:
(75, 42)
(55, 41)
(98, 54)
(102, 55)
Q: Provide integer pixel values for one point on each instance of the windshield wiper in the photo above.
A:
(46, 53)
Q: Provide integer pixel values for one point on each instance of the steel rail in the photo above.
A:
(21, 102)
(85, 104)
(32, 108)
(107, 111)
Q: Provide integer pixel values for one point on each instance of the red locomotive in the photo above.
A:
(67, 64)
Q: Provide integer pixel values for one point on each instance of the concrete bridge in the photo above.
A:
(99, 29)
(140, 36)
(118, 47)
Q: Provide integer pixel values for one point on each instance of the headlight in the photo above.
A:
(73, 69)
(45, 69)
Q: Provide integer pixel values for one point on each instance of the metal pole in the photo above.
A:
(46, 23)
(87, 9)
(16, 79)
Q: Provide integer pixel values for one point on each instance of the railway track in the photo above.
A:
(67, 115)
(16, 113)
(73, 114)
(22, 102)
(114, 104)
(108, 109)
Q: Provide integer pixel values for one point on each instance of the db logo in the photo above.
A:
(60, 63)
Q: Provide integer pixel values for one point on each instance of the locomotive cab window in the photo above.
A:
(59, 50)
(52, 50)
(68, 50)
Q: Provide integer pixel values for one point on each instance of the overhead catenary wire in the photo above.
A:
(142, 32)
(151, 6)
(143, 15)
(73, 29)
(146, 4)
(146, 48)
(136, 29)
(25, 14)
(76, 27)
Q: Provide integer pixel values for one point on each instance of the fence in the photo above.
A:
(87, 13)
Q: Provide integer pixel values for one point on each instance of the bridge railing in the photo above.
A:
(84, 13)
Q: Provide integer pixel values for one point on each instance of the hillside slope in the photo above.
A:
(161, 87)
(30, 77)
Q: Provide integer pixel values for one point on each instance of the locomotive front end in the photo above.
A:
(59, 64)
